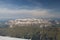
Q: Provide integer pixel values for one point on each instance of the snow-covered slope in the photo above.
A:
(10, 38)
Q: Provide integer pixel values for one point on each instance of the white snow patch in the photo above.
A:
(10, 38)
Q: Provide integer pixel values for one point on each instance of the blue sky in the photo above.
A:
(29, 8)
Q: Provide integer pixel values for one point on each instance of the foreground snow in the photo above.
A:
(10, 38)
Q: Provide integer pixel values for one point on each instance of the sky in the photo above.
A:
(29, 8)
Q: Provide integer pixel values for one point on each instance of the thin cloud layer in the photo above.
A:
(34, 12)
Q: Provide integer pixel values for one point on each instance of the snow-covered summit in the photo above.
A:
(27, 22)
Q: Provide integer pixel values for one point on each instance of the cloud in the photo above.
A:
(33, 12)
